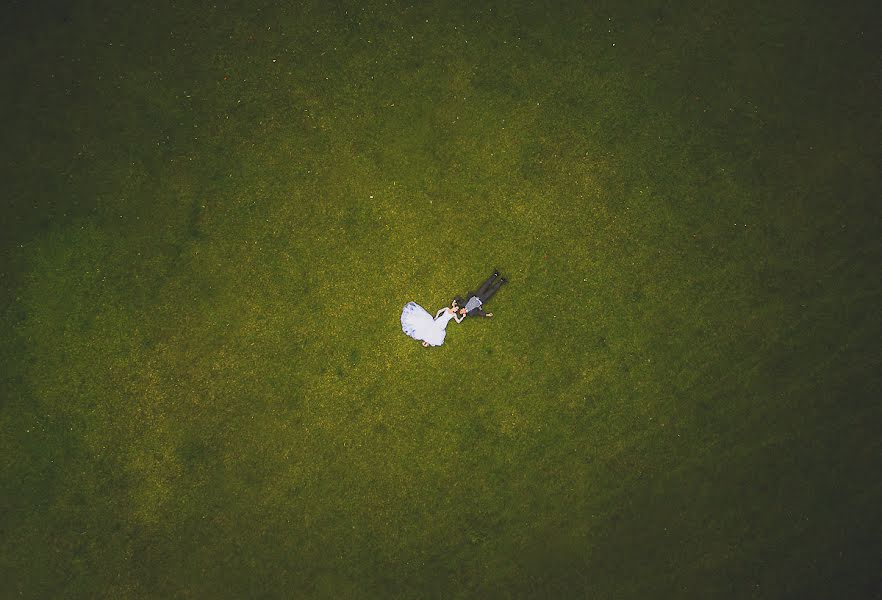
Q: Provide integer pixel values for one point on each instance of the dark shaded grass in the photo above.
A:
(206, 392)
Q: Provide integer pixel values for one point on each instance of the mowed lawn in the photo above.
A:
(213, 214)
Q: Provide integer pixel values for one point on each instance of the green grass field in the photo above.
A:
(214, 213)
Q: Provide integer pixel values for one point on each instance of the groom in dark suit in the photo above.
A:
(473, 307)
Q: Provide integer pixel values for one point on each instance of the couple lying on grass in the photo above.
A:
(419, 324)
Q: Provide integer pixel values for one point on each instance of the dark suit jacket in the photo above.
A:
(475, 312)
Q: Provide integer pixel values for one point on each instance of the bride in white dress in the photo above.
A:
(419, 324)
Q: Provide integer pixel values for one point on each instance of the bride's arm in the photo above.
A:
(458, 318)
(438, 314)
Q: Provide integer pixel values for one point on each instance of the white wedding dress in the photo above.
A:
(419, 324)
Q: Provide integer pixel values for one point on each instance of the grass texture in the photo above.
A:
(214, 212)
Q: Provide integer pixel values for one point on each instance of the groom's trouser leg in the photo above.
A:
(492, 290)
(486, 286)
